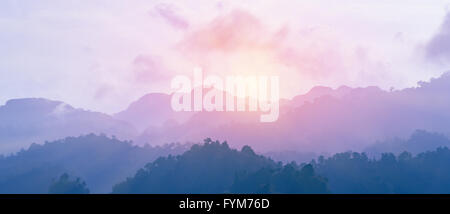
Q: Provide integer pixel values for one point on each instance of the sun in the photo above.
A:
(253, 63)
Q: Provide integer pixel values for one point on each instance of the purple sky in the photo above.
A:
(103, 54)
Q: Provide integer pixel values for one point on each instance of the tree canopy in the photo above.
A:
(216, 168)
(65, 185)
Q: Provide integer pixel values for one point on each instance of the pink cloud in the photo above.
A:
(240, 30)
(235, 30)
(302, 58)
(149, 69)
(167, 12)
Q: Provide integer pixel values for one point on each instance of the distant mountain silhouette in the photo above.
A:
(326, 120)
(419, 141)
(35, 120)
(100, 161)
(318, 92)
(152, 111)
(154, 116)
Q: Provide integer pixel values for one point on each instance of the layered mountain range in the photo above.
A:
(323, 120)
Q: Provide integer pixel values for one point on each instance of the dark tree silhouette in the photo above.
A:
(427, 172)
(64, 185)
(213, 168)
(288, 179)
(101, 161)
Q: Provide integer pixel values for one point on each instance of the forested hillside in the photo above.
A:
(99, 160)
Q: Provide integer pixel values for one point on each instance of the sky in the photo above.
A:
(103, 54)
